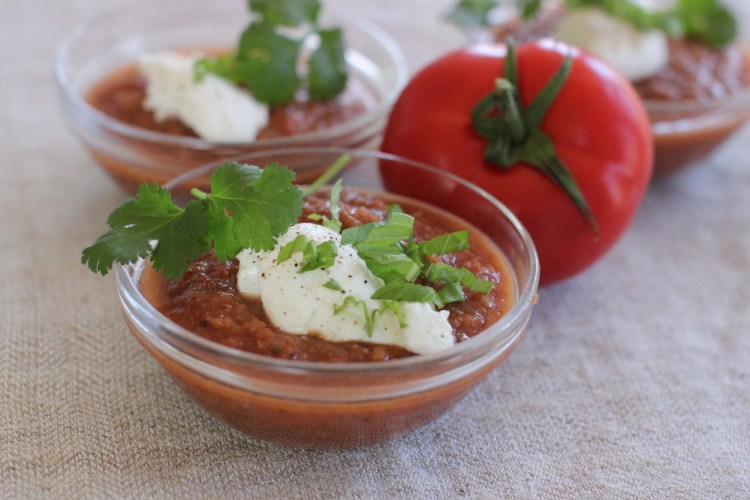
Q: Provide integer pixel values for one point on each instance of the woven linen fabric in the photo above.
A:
(632, 382)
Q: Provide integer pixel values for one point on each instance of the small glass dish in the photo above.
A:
(113, 40)
(686, 132)
(335, 405)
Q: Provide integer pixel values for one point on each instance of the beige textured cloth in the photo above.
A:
(633, 380)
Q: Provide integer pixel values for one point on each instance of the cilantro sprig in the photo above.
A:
(708, 21)
(247, 207)
(266, 57)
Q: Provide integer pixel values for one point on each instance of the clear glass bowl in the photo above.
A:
(324, 405)
(115, 38)
(686, 132)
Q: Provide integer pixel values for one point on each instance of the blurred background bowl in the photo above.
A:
(114, 39)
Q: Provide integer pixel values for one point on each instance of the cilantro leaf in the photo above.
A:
(267, 55)
(472, 13)
(261, 209)
(151, 215)
(286, 12)
(708, 21)
(181, 241)
(121, 245)
(227, 179)
(327, 73)
(248, 207)
(267, 64)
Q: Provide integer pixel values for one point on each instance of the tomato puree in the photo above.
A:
(121, 96)
(206, 301)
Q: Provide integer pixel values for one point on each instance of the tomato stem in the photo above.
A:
(514, 135)
(508, 102)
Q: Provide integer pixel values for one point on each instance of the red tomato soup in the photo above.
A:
(139, 159)
(206, 301)
(121, 96)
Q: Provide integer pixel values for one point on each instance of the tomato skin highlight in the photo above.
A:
(597, 123)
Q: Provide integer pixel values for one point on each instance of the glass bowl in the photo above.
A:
(686, 132)
(331, 405)
(113, 40)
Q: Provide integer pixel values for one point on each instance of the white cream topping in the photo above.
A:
(634, 54)
(214, 108)
(299, 303)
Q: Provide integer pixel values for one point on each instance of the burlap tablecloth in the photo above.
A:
(633, 380)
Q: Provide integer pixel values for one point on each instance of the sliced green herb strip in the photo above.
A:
(329, 174)
(335, 196)
(451, 292)
(318, 256)
(294, 246)
(350, 301)
(333, 285)
(395, 307)
(446, 243)
(404, 291)
(388, 266)
(443, 273)
(334, 224)
(314, 255)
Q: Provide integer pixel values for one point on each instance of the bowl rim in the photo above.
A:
(505, 330)
(347, 19)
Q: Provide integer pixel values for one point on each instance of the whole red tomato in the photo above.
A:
(596, 123)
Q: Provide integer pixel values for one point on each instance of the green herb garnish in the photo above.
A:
(333, 285)
(247, 207)
(707, 21)
(333, 223)
(472, 13)
(314, 255)
(370, 316)
(267, 56)
(389, 251)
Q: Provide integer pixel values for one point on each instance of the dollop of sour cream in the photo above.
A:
(214, 108)
(634, 54)
(299, 303)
